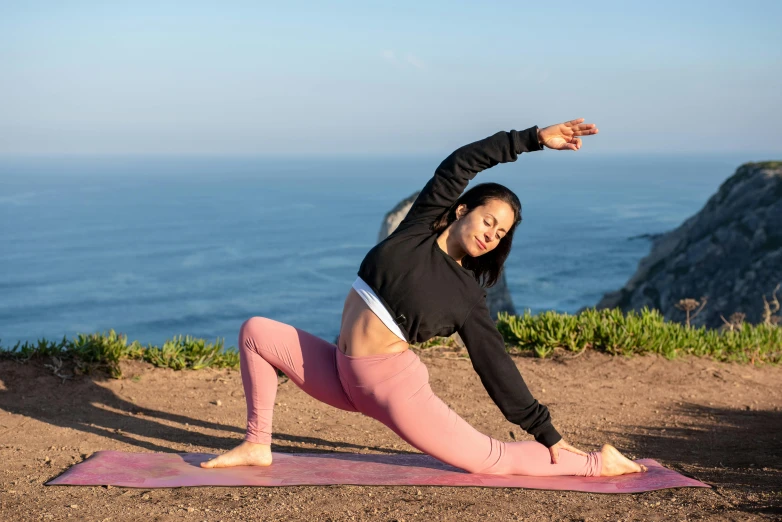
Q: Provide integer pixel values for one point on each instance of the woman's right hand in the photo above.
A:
(564, 136)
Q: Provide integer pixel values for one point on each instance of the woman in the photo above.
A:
(427, 278)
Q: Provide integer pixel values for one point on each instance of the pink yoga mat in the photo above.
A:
(172, 470)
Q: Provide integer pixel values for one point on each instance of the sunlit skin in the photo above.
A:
(488, 224)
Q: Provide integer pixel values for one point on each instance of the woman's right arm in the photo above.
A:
(455, 172)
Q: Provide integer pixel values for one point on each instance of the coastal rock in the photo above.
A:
(729, 252)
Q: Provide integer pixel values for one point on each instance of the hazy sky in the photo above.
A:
(358, 78)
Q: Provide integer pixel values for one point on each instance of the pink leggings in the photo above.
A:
(391, 388)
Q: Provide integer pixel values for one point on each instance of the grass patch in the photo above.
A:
(609, 331)
(766, 164)
(616, 333)
(103, 352)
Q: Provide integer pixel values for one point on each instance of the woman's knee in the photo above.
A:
(257, 323)
(255, 327)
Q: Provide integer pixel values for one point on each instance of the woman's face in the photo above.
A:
(486, 224)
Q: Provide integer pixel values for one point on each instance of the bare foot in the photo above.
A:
(245, 454)
(614, 463)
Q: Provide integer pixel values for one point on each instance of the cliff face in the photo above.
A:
(497, 297)
(730, 252)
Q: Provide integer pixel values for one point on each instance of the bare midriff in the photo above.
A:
(363, 333)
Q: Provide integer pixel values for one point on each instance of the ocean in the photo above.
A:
(154, 247)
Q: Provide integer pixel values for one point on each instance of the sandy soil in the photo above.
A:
(718, 422)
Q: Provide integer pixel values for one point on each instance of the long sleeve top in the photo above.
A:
(429, 294)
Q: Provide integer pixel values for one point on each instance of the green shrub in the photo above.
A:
(608, 330)
(611, 331)
(100, 351)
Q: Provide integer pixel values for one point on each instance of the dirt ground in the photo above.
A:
(720, 423)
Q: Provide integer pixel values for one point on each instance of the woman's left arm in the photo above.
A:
(504, 382)
(501, 377)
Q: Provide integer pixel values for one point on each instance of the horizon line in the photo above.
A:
(311, 155)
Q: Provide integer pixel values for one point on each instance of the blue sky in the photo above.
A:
(313, 78)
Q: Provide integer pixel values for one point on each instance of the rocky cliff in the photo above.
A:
(728, 254)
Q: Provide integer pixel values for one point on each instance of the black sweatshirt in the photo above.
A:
(429, 294)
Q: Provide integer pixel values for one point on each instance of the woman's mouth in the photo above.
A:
(483, 247)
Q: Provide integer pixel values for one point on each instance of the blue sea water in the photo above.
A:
(155, 247)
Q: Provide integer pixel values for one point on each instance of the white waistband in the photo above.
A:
(376, 305)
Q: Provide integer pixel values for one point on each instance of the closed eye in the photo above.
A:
(489, 224)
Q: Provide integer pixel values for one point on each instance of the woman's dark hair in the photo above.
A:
(486, 268)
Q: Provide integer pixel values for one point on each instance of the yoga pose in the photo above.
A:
(426, 279)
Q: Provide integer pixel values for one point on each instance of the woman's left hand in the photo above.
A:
(554, 450)
(564, 136)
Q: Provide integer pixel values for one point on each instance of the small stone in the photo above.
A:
(218, 402)
(190, 510)
(74, 506)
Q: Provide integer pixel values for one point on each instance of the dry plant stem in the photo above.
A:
(767, 312)
(704, 299)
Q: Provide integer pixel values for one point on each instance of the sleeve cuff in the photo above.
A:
(527, 140)
(548, 435)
